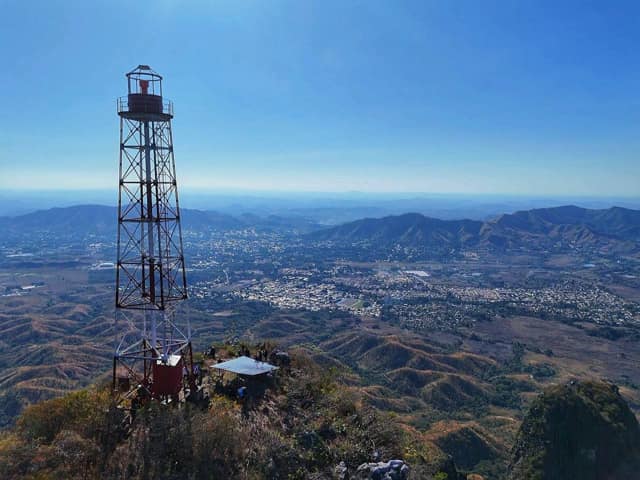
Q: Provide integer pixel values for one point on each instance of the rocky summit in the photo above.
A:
(582, 430)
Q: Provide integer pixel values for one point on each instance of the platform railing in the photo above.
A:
(123, 106)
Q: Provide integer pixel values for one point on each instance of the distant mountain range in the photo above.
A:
(102, 220)
(545, 228)
(615, 228)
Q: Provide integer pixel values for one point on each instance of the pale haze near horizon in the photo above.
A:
(467, 97)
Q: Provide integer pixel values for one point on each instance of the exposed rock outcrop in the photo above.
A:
(579, 430)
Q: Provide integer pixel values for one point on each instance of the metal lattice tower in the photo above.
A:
(153, 354)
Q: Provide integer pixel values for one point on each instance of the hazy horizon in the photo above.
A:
(353, 205)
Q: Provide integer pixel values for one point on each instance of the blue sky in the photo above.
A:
(510, 97)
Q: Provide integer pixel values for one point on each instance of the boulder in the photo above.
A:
(391, 470)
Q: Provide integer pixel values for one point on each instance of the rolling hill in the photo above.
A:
(410, 229)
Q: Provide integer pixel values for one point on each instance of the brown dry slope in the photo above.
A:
(51, 345)
(446, 394)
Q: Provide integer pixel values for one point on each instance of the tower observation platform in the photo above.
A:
(144, 101)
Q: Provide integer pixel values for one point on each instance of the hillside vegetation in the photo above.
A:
(304, 427)
(310, 425)
(579, 430)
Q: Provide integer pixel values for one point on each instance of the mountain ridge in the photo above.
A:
(568, 227)
(102, 219)
(546, 226)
